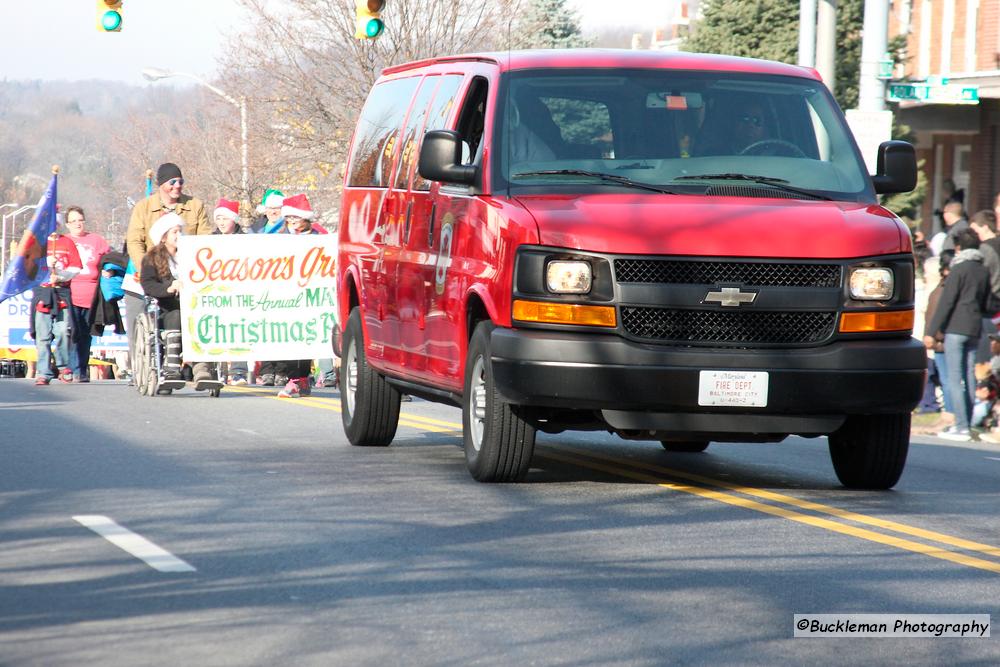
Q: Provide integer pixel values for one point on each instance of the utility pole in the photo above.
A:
(871, 122)
(826, 43)
(807, 33)
(875, 42)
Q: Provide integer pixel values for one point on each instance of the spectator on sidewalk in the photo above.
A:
(959, 315)
(91, 248)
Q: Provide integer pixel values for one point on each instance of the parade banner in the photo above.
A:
(257, 297)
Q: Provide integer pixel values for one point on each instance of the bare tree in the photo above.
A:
(307, 77)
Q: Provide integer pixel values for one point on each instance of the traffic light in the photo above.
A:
(368, 22)
(109, 15)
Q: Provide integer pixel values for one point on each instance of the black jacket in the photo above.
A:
(156, 287)
(963, 300)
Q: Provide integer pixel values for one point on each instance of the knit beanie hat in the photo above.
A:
(166, 171)
(164, 225)
(297, 205)
(228, 208)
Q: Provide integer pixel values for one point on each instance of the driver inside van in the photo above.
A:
(749, 127)
(730, 129)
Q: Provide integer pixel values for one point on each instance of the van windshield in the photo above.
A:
(682, 131)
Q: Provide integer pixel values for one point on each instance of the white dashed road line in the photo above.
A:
(137, 545)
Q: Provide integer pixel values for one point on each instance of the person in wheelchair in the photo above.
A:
(160, 281)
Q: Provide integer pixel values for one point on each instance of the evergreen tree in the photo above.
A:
(549, 24)
(766, 29)
(769, 29)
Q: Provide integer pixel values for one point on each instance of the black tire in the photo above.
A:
(869, 451)
(498, 443)
(369, 405)
(688, 446)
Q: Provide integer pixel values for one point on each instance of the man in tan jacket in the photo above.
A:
(168, 198)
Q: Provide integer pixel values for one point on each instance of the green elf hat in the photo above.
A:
(271, 198)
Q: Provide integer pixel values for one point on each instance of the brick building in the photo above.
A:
(956, 40)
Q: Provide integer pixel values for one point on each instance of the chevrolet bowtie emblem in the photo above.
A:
(730, 296)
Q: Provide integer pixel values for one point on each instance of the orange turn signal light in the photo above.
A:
(895, 320)
(565, 313)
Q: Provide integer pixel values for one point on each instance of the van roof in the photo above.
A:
(551, 58)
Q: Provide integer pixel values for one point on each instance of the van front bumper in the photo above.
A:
(608, 373)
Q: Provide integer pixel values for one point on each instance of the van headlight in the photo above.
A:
(568, 277)
(871, 284)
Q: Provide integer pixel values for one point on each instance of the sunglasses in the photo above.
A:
(175, 181)
(749, 119)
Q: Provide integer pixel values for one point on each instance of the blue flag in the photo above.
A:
(27, 269)
(149, 186)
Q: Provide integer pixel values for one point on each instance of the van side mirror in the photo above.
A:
(441, 158)
(896, 169)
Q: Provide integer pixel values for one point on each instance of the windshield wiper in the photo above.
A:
(779, 183)
(611, 178)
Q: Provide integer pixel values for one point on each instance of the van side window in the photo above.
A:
(437, 116)
(375, 139)
(413, 129)
(472, 119)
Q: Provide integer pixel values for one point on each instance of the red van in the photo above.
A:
(674, 247)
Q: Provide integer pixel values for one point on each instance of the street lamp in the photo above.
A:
(3, 234)
(155, 74)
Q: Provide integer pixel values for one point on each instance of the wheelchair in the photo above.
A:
(150, 353)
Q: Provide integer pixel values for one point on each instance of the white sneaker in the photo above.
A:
(956, 434)
(291, 390)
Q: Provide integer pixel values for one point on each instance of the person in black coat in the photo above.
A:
(959, 316)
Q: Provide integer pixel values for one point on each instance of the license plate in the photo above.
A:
(745, 389)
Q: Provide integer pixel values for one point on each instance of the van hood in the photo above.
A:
(641, 224)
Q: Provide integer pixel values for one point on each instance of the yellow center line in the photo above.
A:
(803, 504)
(791, 515)
(632, 471)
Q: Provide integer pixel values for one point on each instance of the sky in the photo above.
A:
(58, 39)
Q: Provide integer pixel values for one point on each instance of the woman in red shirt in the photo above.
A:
(91, 247)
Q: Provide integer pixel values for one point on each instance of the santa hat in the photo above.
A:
(272, 199)
(164, 225)
(228, 208)
(297, 205)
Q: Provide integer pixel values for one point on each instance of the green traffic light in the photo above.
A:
(111, 21)
(374, 28)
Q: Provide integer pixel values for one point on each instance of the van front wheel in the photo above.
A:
(369, 406)
(869, 451)
(498, 443)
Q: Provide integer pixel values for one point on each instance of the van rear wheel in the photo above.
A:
(498, 443)
(869, 451)
(369, 406)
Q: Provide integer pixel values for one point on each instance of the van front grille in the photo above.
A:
(720, 327)
(752, 274)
